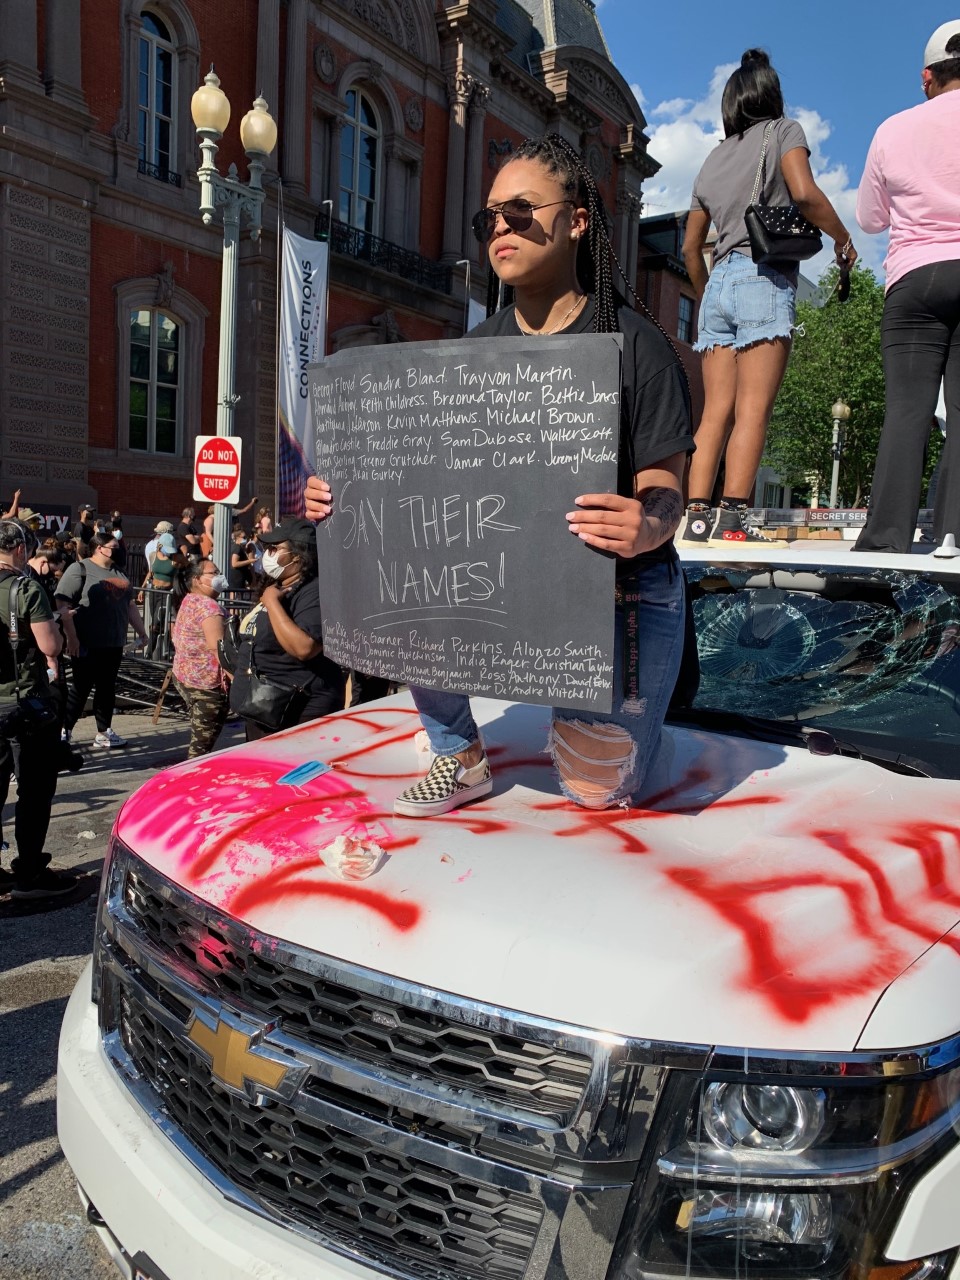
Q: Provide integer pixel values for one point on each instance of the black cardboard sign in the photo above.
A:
(447, 561)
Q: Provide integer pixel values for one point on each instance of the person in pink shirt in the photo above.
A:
(911, 184)
(197, 629)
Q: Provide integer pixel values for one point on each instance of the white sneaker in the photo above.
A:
(65, 735)
(109, 739)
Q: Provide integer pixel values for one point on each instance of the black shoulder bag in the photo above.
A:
(778, 232)
(272, 706)
(31, 712)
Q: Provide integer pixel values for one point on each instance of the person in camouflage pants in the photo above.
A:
(208, 713)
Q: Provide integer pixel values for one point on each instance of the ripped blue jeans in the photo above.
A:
(601, 759)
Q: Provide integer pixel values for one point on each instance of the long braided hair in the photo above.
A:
(594, 251)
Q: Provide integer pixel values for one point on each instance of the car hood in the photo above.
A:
(761, 896)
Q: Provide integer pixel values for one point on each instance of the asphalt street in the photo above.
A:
(43, 1232)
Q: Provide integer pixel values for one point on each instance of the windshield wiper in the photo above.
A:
(818, 741)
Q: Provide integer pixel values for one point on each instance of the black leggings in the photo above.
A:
(921, 344)
(97, 671)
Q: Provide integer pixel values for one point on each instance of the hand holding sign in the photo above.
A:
(318, 499)
(444, 562)
(609, 523)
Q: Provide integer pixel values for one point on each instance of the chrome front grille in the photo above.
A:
(535, 1076)
(395, 1209)
(421, 1134)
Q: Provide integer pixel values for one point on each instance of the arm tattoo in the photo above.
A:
(665, 505)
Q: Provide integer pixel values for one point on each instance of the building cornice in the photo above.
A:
(474, 22)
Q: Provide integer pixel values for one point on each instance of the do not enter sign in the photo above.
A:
(216, 469)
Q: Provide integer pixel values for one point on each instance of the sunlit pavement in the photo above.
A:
(43, 1232)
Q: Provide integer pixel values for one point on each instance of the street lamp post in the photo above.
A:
(841, 415)
(210, 109)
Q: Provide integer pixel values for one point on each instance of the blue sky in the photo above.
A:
(844, 67)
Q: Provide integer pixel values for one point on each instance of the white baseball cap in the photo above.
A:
(936, 50)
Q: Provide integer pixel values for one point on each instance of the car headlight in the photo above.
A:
(108, 878)
(762, 1117)
(784, 1177)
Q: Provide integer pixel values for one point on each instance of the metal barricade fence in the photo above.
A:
(156, 605)
(146, 680)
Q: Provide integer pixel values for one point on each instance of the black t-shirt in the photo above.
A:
(29, 670)
(102, 598)
(191, 527)
(273, 662)
(654, 404)
(239, 578)
(84, 530)
(119, 554)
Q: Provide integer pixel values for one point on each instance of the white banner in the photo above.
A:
(303, 316)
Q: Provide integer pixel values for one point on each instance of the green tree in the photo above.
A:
(836, 355)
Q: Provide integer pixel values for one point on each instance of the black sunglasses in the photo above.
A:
(517, 214)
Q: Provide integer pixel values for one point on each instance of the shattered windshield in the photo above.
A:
(871, 655)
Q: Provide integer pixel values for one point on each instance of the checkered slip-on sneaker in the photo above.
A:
(447, 786)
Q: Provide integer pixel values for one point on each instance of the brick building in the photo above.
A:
(397, 111)
(663, 284)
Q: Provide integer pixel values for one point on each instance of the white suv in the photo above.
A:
(717, 1035)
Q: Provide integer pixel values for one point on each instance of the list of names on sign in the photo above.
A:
(447, 561)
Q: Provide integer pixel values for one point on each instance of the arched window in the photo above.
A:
(156, 99)
(155, 424)
(360, 163)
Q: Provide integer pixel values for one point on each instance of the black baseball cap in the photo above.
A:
(291, 528)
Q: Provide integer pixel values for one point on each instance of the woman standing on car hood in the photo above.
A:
(545, 228)
(747, 310)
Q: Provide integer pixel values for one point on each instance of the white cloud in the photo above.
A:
(684, 131)
(672, 107)
(638, 94)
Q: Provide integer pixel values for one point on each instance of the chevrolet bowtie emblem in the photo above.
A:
(234, 1059)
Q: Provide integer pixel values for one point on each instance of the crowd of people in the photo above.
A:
(545, 232)
(68, 607)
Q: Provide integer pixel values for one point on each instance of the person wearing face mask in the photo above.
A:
(159, 579)
(286, 647)
(96, 606)
(197, 629)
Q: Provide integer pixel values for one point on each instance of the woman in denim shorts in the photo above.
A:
(747, 310)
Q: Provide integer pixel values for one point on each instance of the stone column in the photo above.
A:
(333, 180)
(474, 177)
(414, 179)
(636, 209)
(394, 195)
(61, 72)
(268, 60)
(459, 93)
(621, 236)
(294, 97)
(18, 44)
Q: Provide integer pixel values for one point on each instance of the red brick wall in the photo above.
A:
(660, 289)
(352, 308)
(156, 497)
(119, 254)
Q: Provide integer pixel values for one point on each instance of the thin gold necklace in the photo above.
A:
(545, 333)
